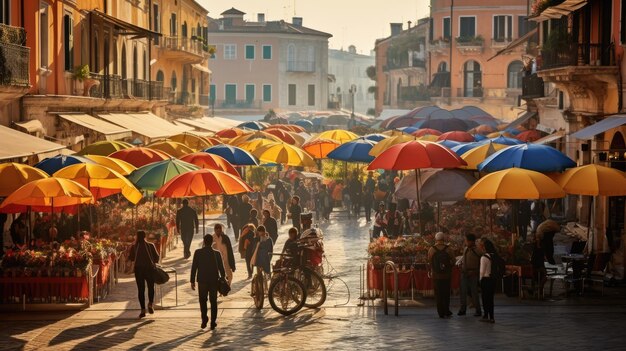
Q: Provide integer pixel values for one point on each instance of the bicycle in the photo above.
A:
(258, 288)
(287, 294)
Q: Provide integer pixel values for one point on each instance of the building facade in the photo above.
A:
(349, 80)
(266, 65)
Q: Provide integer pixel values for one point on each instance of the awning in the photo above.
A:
(110, 131)
(211, 124)
(600, 127)
(521, 119)
(560, 10)
(440, 80)
(550, 138)
(32, 126)
(16, 144)
(515, 43)
(125, 28)
(146, 124)
(201, 68)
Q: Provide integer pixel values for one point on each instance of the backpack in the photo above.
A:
(497, 266)
(441, 261)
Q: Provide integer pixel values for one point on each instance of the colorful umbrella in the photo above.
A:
(230, 133)
(340, 135)
(408, 130)
(479, 153)
(210, 161)
(464, 137)
(286, 128)
(426, 131)
(484, 129)
(101, 181)
(140, 156)
(593, 180)
(122, 167)
(375, 137)
(15, 175)
(254, 144)
(284, 136)
(515, 184)
(354, 151)
(254, 125)
(46, 195)
(304, 123)
(214, 141)
(53, 164)
(171, 148)
(529, 136)
(104, 148)
(445, 125)
(449, 143)
(152, 176)
(194, 142)
(203, 182)
(253, 136)
(504, 141)
(540, 158)
(389, 142)
(428, 137)
(284, 154)
(236, 156)
(464, 147)
(319, 148)
(437, 185)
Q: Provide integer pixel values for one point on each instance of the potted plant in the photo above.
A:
(79, 74)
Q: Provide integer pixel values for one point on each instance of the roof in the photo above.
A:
(589, 132)
(146, 124)
(125, 28)
(560, 10)
(110, 131)
(15, 144)
(233, 11)
(278, 27)
(211, 124)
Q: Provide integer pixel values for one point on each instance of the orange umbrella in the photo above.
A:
(140, 156)
(319, 148)
(171, 148)
(529, 136)
(283, 136)
(46, 195)
(230, 133)
(14, 175)
(287, 128)
(214, 140)
(210, 161)
(100, 180)
(426, 131)
(484, 129)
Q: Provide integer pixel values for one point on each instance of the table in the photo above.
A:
(49, 289)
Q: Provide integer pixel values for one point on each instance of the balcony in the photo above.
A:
(188, 50)
(14, 64)
(417, 93)
(238, 104)
(476, 92)
(575, 54)
(403, 64)
(499, 43)
(470, 45)
(114, 87)
(532, 87)
(301, 66)
(441, 46)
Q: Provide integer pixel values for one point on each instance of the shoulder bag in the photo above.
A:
(159, 275)
(222, 285)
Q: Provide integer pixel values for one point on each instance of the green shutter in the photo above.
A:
(250, 52)
(249, 92)
(267, 93)
(267, 52)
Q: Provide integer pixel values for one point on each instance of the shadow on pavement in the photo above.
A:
(106, 334)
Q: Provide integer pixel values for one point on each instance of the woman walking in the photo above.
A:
(487, 283)
(145, 255)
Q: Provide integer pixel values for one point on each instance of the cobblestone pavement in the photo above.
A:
(558, 323)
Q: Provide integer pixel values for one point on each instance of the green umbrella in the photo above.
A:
(152, 176)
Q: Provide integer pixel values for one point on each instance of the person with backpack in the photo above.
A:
(470, 265)
(440, 258)
(491, 271)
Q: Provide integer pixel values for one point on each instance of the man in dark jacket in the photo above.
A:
(271, 225)
(440, 258)
(207, 266)
(243, 214)
(186, 223)
(368, 195)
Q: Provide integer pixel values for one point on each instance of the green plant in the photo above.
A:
(80, 72)
(371, 72)
(558, 40)
(371, 112)
(476, 40)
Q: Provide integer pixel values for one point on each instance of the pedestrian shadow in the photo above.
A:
(177, 342)
(105, 334)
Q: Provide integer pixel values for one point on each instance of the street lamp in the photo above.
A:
(352, 92)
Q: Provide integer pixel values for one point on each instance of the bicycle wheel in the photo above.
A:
(257, 290)
(315, 288)
(287, 295)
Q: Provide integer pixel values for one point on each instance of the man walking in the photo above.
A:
(440, 259)
(186, 223)
(243, 214)
(207, 266)
(470, 266)
(221, 243)
(356, 190)
(271, 225)
(368, 195)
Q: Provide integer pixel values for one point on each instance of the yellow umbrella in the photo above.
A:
(251, 136)
(429, 137)
(389, 142)
(514, 184)
(340, 135)
(284, 154)
(499, 134)
(122, 167)
(14, 175)
(255, 144)
(171, 148)
(194, 142)
(104, 148)
(593, 180)
(45, 195)
(320, 148)
(100, 180)
(393, 133)
(478, 154)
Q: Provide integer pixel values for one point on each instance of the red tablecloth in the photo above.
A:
(64, 288)
(418, 278)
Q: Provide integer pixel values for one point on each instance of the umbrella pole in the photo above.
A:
(439, 215)
(78, 217)
(152, 214)
(203, 226)
(419, 204)
(490, 219)
(589, 238)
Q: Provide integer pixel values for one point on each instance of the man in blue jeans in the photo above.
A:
(208, 267)
(470, 267)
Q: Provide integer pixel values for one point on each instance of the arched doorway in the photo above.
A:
(124, 62)
(184, 29)
(514, 75)
(135, 64)
(443, 67)
(160, 77)
(472, 79)
(96, 55)
(617, 204)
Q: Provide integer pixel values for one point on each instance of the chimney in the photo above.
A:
(352, 49)
(396, 28)
(261, 18)
(297, 21)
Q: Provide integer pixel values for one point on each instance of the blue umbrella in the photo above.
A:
(503, 140)
(408, 130)
(254, 125)
(540, 158)
(479, 137)
(233, 154)
(304, 123)
(375, 137)
(52, 164)
(449, 143)
(354, 151)
(463, 148)
(318, 121)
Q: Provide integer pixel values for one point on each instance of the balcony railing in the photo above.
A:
(243, 104)
(416, 62)
(114, 87)
(473, 92)
(500, 42)
(532, 87)
(204, 100)
(300, 66)
(578, 54)
(12, 35)
(14, 64)
(189, 45)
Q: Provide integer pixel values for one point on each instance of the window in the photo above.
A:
(160, 77)
(5, 12)
(124, 62)
(212, 93)
(173, 81)
(524, 26)
(514, 75)
(472, 79)
(184, 29)
(291, 53)
(68, 41)
(446, 28)
(502, 28)
(193, 85)
(231, 94)
(430, 29)
(230, 52)
(249, 93)
(442, 67)
(156, 26)
(311, 95)
(292, 95)
(267, 52)
(467, 27)
(267, 93)
(43, 35)
(623, 22)
(173, 25)
(249, 52)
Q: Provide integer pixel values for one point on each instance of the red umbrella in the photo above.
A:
(463, 137)
(140, 156)
(282, 135)
(230, 133)
(529, 136)
(484, 129)
(210, 161)
(426, 131)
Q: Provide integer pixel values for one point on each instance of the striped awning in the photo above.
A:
(560, 10)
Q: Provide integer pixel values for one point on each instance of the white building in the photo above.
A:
(348, 68)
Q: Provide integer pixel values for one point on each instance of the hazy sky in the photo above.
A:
(351, 22)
